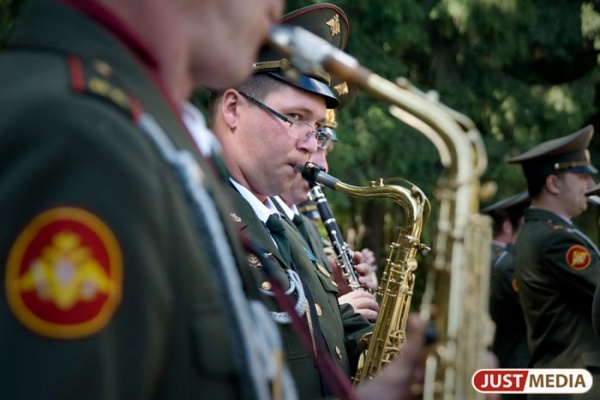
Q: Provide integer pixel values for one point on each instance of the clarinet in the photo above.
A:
(344, 256)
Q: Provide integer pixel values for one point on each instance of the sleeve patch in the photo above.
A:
(578, 257)
(64, 274)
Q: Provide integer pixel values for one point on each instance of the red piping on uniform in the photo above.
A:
(76, 69)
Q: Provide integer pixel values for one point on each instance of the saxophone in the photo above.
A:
(395, 289)
(457, 288)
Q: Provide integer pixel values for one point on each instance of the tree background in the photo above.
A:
(524, 71)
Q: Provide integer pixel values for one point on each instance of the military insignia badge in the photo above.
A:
(235, 217)
(341, 88)
(578, 257)
(253, 260)
(64, 274)
(334, 25)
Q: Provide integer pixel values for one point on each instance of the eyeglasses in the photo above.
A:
(298, 129)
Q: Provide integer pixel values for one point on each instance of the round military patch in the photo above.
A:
(64, 274)
(578, 257)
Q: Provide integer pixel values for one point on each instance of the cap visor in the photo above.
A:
(586, 169)
(311, 85)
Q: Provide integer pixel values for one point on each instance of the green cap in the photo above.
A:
(324, 20)
(513, 204)
(567, 153)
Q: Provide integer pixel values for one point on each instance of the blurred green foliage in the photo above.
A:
(8, 11)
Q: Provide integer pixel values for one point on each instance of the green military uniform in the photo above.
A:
(340, 326)
(109, 286)
(510, 337)
(557, 270)
(594, 192)
(510, 341)
(497, 249)
(309, 232)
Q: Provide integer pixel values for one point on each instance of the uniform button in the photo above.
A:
(338, 352)
(266, 285)
(318, 308)
(334, 283)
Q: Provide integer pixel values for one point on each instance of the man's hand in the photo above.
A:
(363, 303)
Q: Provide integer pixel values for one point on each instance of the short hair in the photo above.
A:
(258, 86)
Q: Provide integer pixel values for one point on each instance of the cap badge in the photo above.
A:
(341, 88)
(64, 274)
(334, 25)
(578, 257)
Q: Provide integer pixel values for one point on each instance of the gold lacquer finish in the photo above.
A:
(395, 288)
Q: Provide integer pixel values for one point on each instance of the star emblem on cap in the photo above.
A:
(334, 25)
(341, 88)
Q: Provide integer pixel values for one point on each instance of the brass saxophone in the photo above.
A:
(456, 294)
(395, 289)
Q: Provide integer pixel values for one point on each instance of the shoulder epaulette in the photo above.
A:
(97, 78)
(556, 227)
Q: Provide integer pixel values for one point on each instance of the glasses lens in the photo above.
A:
(301, 130)
(324, 138)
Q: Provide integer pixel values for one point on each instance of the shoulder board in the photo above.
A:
(96, 78)
(556, 227)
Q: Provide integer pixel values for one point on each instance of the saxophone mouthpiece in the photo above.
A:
(309, 171)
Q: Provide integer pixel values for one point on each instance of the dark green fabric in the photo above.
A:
(510, 344)
(556, 298)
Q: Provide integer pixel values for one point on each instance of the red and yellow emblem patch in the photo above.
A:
(64, 274)
(578, 257)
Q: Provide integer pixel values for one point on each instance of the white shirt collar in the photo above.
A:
(289, 211)
(196, 125)
(262, 210)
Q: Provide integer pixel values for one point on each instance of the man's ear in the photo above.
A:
(553, 183)
(230, 108)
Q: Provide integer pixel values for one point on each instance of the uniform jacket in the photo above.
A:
(341, 327)
(510, 341)
(497, 249)
(70, 96)
(557, 272)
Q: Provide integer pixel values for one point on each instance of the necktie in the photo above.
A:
(299, 222)
(277, 231)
